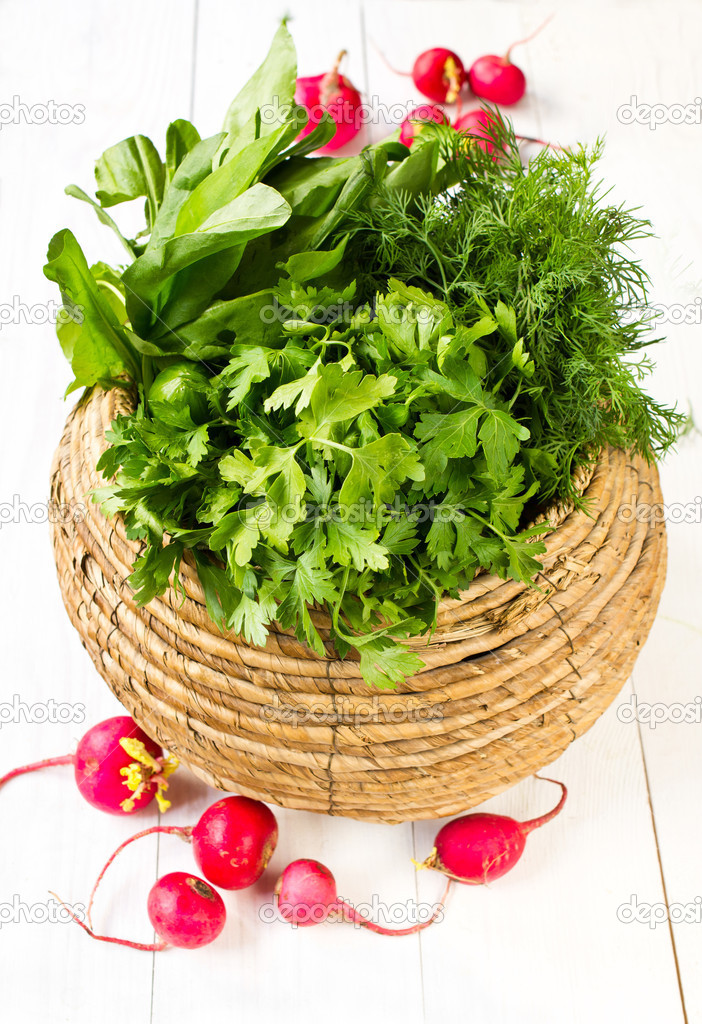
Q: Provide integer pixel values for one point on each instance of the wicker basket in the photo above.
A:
(512, 674)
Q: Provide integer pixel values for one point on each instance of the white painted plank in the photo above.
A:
(129, 65)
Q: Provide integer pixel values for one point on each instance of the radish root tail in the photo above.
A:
(184, 834)
(529, 826)
(48, 762)
(148, 947)
(350, 914)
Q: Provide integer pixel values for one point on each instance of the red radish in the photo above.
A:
(232, 842)
(306, 895)
(439, 74)
(333, 93)
(183, 909)
(479, 126)
(479, 848)
(115, 754)
(416, 118)
(497, 79)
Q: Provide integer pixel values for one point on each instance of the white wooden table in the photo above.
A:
(545, 944)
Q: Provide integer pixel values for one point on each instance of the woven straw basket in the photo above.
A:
(512, 675)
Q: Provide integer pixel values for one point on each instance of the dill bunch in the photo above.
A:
(542, 239)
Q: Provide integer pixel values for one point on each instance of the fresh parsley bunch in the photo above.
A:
(358, 465)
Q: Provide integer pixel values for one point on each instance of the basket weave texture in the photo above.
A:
(512, 675)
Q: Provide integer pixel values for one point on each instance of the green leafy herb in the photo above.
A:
(353, 375)
(539, 250)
